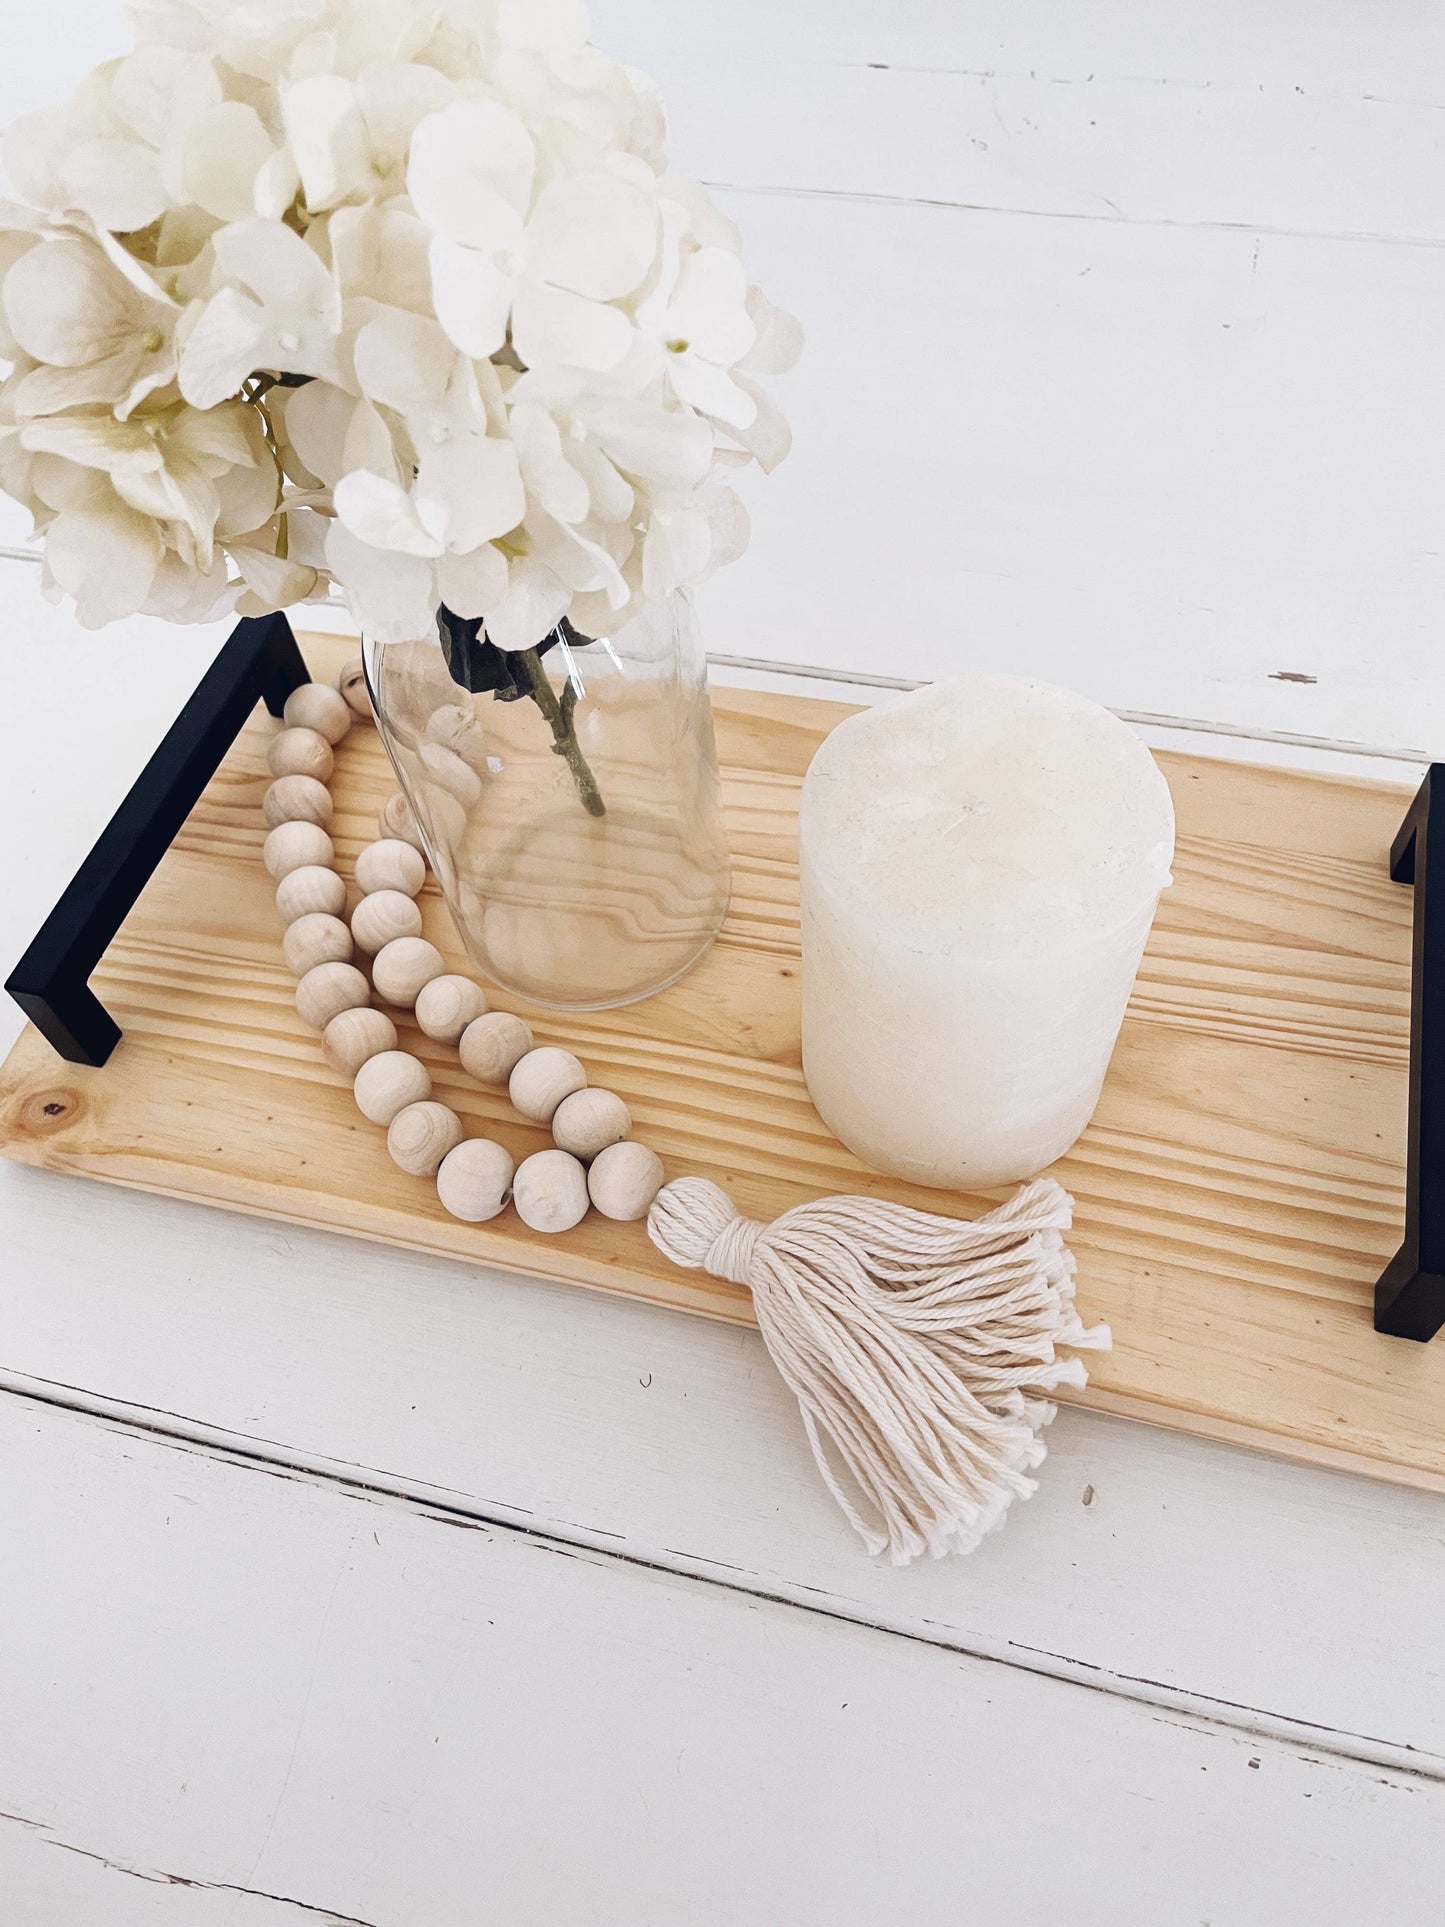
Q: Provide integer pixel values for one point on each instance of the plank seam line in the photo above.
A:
(1141, 718)
(1226, 1716)
(158, 1877)
(873, 198)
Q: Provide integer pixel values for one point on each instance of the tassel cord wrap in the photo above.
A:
(918, 1347)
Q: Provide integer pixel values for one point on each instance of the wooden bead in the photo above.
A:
(351, 684)
(475, 1180)
(588, 1121)
(308, 890)
(383, 917)
(398, 819)
(316, 939)
(624, 1180)
(391, 865)
(403, 968)
(292, 846)
(457, 727)
(297, 799)
(446, 1005)
(421, 1137)
(356, 1036)
(388, 1082)
(542, 1079)
(316, 705)
(550, 1191)
(493, 1046)
(301, 752)
(323, 993)
(446, 769)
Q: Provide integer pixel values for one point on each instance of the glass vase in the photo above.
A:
(568, 798)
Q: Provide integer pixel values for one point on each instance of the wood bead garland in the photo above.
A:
(542, 1079)
(398, 819)
(297, 799)
(310, 891)
(316, 705)
(403, 967)
(391, 865)
(328, 989)
(447, 1005)
(301, 752)
(421, 1136)
(316, 939)
(550, 1191)
(387, 1083)
(492, 1046)
(624, 1180)
(382, 918)
(475, 1180)
(588, 1121)
(351, 686)
(293, 846)
(921, 1349)
(356, 1036)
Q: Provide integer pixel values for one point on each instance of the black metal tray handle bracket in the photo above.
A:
(260, 661)
(1410, 1297)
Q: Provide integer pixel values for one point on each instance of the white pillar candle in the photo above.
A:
(981, 862)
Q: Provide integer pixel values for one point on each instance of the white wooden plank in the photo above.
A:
(1348, 48)
(49, 1882)
(284, 1688)
(1183, 1574)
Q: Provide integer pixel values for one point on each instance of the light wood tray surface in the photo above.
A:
(1238, 1192)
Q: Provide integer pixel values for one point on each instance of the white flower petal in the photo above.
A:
(286, 276)
(225, 346)
(393, 598)
(404, 361)
(156, 88)
(217, 161)
(106, 559)
(473, 585)
(277, 185)
(63, 305)
(666, 449)
(767, 438)
(709, 307)
(780, 337)
(594, 235)
(676, 550)
(327, 136)
(469, 491)
(380, 513)
(369, 443)
(317, 419)
(33, 149)
(470, 176)
(555, 27)
(395, 101)
(550, 477)
(274, 581)
(473, 298)
(182, 594)
(611, 497)
(551, 325)
(382, 252)
(711, 390)
(727, 519)
(117, 181)
(536, 601)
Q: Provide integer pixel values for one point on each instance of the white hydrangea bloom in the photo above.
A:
(393, 295)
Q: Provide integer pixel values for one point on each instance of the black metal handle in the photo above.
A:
(260, 661)
(1410, 1297)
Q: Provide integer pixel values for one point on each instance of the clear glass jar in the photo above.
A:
(573, 816)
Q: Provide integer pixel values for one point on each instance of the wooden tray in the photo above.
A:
(1238, 1193)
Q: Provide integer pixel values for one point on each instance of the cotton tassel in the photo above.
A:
(918, 1347)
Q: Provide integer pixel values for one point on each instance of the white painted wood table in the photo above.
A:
(339, 1585)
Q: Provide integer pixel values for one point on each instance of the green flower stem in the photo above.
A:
(560, 718)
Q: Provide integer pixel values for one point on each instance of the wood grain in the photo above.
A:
(1240, 1189)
